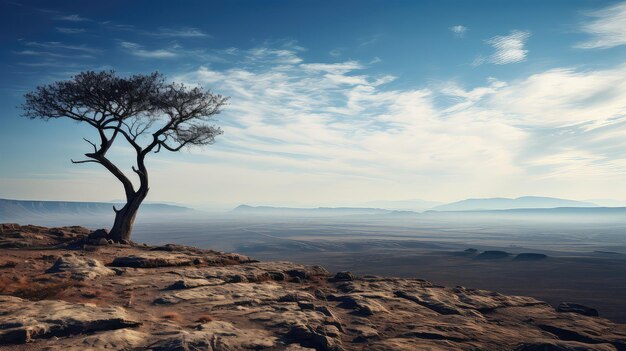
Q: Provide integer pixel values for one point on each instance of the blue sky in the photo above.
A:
(337, 102)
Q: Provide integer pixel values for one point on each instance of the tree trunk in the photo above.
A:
(125, 217)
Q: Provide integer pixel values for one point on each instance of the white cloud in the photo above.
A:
(55, 45)
(336, 123)
(509, 48)
(334, 133)
(336, 68)
(608, 29)
(335, 52)
(564, 97)
(459, 30)
(184, 32)
(277, 56)
(72, 18)
(365, 41)
(138, 50)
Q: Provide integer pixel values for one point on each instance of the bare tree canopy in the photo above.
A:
(144, 110)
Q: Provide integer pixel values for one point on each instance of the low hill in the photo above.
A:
(557, 214)
(17, 210)
(501, 203)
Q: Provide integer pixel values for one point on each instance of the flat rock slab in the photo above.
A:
(22, 321)
(576, 308)
(15, 236)
(226, 294)
(120, 339)
(214, 336)
(190, 283)
(558, 345)
(154, 260)
(81, 268)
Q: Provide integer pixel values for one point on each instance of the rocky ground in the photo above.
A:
(70, 289)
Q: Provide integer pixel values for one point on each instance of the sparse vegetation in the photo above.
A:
(8, 264)
(172, 316)
(33, 289)
(205, 318)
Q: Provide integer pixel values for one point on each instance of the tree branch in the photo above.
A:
(95, 148)
(84, 161)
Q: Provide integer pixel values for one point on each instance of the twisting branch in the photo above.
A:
(84, 161)
(95, 148)
(137, 171)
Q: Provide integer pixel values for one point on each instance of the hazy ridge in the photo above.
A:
(14, 210)
(508, 204)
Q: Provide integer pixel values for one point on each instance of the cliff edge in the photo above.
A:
(70, 289)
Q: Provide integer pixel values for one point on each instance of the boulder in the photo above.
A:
(576, 308)
(154, 260)
(225, 294)
(99, 234)
(189, 283)
(23, 321)
(361, 304)
(343, 276)
(120, 339)
(81, 268)
(215, 335)
(306, 336)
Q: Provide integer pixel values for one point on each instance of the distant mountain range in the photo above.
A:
(500, 203)
(413, 206)
(403, 205)
(556, 214)
(319, 211)
(15, 210)
(33, 211)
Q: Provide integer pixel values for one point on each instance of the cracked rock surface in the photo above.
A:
(131, 297)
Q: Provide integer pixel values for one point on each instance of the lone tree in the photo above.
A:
(144, 110)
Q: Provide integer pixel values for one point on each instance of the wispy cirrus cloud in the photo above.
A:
(37, 53)
(338, 122)
(56, 45)
(607, 30)
(184, 32)
(117, 26)
(335, 52)
(365, 41)
(72, 18)
(508, 49)
(459, 30)
(139, 51)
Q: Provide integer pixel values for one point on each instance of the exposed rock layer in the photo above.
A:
(180, 298)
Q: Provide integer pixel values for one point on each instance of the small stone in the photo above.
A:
(81, 268)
